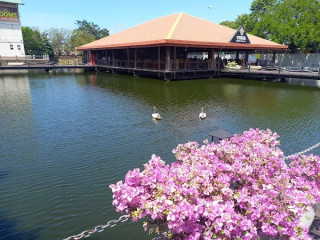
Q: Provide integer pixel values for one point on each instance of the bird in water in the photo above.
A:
(155, 114)
(202, 115)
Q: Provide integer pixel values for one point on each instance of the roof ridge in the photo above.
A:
(174, 26)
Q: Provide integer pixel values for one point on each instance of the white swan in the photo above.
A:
(155, 114)
(202, 115)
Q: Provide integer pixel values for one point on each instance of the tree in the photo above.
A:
(92, 29)
(243, 19)
(59, 39)
(45, 46)
(31, 40)
(230, 24)
(297, 24)
(246, 21)
(259, 7)
(85, 33)
(80, 37)
(36, 43)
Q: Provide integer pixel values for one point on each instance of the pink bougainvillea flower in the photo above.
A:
(240, 188)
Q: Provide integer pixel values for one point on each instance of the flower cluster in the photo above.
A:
(237, 189)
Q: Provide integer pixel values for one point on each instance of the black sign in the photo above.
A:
(240, 36)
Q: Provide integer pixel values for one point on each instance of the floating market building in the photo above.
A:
(177, 46)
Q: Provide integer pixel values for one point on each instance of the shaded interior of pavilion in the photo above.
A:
(176, 58)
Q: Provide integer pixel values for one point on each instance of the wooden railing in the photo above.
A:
(175, 65)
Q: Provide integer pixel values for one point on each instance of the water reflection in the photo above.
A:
(15, 113)
(66, 136)
(259, 104)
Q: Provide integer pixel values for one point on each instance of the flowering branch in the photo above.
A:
(236, 189)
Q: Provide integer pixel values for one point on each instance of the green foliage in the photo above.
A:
(230, 24)
(86, 32)
(259, 7)
(232, 64)
(295, 23)
(36, 43)
(92, 29)
(246, 21)
(80, 37)
(60, 40)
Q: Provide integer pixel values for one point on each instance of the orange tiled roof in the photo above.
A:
(179, 29)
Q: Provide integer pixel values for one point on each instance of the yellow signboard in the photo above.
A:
(9, 14)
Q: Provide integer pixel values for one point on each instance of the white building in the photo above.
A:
(11, 41)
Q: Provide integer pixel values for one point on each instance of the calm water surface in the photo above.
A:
(65, 137)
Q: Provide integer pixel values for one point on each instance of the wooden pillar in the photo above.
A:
(168, 68)
(107, 57)
(175, 61)
(113, 57)
(128, 58)
(237, 56)
(135, 57)
(219, 61)
(213, 66)
(247, 59)
(273, 59)
(159, 58)
(175, 57)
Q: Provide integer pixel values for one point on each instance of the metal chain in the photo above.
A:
(303, 152)
(99, 228)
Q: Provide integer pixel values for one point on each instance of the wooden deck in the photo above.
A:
(179, 74)
(272, 74)
(45, 67)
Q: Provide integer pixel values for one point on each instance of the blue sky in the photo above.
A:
(122, 14)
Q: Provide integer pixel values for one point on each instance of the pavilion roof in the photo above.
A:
(180, 29)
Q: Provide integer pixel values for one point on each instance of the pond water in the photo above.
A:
(66, 136)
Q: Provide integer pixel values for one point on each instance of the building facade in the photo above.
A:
(11, 41)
